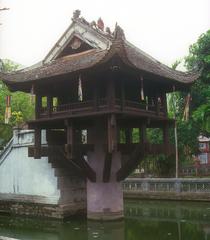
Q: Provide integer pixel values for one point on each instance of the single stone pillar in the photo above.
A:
(104, 199)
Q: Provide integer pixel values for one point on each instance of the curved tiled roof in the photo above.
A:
(128, 53)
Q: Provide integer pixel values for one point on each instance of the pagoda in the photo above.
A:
(92, 89)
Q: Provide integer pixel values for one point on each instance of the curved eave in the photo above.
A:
(128, 53)
(143, 61)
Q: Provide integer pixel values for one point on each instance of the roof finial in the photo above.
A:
(118, 32)
(100, 24)
(76, 14)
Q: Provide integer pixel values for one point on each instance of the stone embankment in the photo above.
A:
(192, 189)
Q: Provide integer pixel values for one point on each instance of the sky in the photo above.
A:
(163, 28)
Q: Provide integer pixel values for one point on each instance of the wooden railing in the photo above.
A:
(101, 105)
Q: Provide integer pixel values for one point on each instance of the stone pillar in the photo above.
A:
(104, 199)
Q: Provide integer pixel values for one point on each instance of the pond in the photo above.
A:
(144, 220)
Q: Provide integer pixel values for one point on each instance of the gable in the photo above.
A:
(77, 38)
(76, 45)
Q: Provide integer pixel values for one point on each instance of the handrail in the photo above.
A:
(102, 102)
(5, 151)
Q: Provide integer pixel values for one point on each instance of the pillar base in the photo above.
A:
(104, 201)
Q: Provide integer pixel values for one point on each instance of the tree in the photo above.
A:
(21, 106)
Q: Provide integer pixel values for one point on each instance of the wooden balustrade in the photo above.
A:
(102, 105)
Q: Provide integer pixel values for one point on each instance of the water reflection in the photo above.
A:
(145, 220)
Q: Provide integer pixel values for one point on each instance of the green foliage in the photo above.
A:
(199, 121)
(21, 106)
(199, 57)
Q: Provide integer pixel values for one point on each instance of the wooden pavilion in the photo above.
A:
(91, 89)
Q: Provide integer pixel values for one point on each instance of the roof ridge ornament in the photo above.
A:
(119, 33)
(76, 14)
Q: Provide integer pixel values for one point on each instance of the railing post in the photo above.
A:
(49, 105)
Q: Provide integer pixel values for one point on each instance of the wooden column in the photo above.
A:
(70, 139)
(112, 146)
(111, 93)
(37, 143)
(112, 133)
(122, 95)
(128, 135)
(157, 107)
(96, 96)
(164, 103)
(49, 104)
(38, 104)
(143, 133)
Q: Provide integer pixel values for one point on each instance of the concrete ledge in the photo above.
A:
(167, 196)
(105, 216)
(28, 198)
(7, 238)
(44, 210)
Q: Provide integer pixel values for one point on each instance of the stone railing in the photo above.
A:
(168, 187)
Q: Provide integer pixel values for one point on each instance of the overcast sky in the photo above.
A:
(162, 28)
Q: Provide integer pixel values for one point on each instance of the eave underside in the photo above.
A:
(94, 59)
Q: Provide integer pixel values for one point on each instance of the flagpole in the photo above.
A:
(176, 149)
(176, 138)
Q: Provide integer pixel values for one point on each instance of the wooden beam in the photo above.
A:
(37, 143)
(136, 157)
(107, 167)
(86, 168)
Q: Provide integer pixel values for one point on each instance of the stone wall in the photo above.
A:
(36, 187)
(196, 189)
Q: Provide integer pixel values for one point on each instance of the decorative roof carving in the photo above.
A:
(76, 14)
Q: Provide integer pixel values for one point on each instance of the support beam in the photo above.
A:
(86, 168)
(107, 167)
(136, 157)
(37, 143)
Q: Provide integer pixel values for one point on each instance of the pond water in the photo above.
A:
(144, 220)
